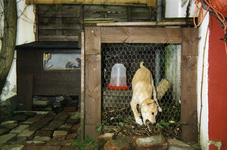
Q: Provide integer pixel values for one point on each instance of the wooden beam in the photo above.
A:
(120, 24)
(93, 42)
(86, 2)
(190, 42)
(140, 35)
(189, 98)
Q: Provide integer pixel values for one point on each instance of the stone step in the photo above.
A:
(7, 138)
(19, 129)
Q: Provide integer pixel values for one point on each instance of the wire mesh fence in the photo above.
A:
(163, 61)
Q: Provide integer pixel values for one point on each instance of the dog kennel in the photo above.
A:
(160, 49)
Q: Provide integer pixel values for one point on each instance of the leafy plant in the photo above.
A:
(88, 140)
(162, 122)
(98, 128)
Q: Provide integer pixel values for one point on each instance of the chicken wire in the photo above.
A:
(163, 60)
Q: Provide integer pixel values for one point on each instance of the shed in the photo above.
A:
(47, 68)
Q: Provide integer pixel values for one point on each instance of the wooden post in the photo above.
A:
(93, 81)
(189, 84)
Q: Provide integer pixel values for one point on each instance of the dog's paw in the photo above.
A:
(139, 121)
(159, 109)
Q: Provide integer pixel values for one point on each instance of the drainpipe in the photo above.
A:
(159, 11)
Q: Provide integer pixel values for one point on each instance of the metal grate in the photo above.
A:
(163, 60)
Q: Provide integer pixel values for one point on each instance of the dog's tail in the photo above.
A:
(141, 65)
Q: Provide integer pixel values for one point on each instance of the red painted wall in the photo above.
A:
(217, 85)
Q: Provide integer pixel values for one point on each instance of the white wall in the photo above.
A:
(25, 34)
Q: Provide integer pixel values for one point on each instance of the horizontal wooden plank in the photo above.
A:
(60, 26)
(58, 38)
(86, 2)
(140, 35)
(134, 24)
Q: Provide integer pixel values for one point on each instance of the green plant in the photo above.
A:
(162, 122)
(88, 140)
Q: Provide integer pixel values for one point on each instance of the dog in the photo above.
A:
(143, 86)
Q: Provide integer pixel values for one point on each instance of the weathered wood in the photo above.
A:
(93, 89)
(190, 42)
(25, 90)
(189, 98)
(140, 35)
(92, 41)
(91, 131)
(86, 2)
(121, 24)
(58, 38)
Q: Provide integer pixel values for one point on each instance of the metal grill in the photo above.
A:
(163, 60)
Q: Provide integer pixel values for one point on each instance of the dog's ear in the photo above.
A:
(150, 101)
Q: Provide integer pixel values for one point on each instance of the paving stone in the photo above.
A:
(20, 117)
(11, 125)
(4, 131)
(62, 116)
(40, 116)
(178, 145)
(18, 142)
(56, 123)
(75, 128)
(39, 147)
(71, 109)
(72, 147)
(102, 139)
(74, 118)
(117, 144)
(19, 129)
(30, 114)
(56, 143)
(73, 121)
(26, 134)
(7, 138)
(40, 138)
(35, 142)
(8, 122)
(49, 128)
(60, 132)
(71, 136)
(152, 142)
(34, 119)
(59, 137)
(37, 125)
(12, 147)
(44, 133)
(27, 123)
(66, 126)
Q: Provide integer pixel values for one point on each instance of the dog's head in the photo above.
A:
(149, 110)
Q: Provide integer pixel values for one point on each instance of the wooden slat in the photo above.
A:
(86, 1)
(140, 35)
(25, 91)
(60, 27)
(93, 89)
(134, 24)
(92, 41)
(190, 42)
(189, 98)
(58, 38)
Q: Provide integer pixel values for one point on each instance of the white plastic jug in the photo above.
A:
(118, 75)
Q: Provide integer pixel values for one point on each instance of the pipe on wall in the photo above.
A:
(159, 11)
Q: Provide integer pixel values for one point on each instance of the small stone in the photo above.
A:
(56, 133)
(27, 123)
(56, 123)
(56, 143)
(151, 142)
(35, 142)
(75, 128)
(71, 147)
(11, 125)
(26, 134)
(71, 136)
(19, 129)
(8, 122)
(117, 144)
(49, 128)
(42, 147)
(43, 133)
(71, 109)
(178, 145)
(66, 126)
(62, 116)
(4, 131)
(20, 117)
(41, 138)
(7, 138)
(30, 114)
(59, 137)
(12, 147)
(102, 139)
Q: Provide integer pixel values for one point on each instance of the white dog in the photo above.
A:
(143, 86)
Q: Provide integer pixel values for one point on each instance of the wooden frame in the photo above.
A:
(188, 37)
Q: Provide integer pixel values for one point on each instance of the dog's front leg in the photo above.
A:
(135, 112)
